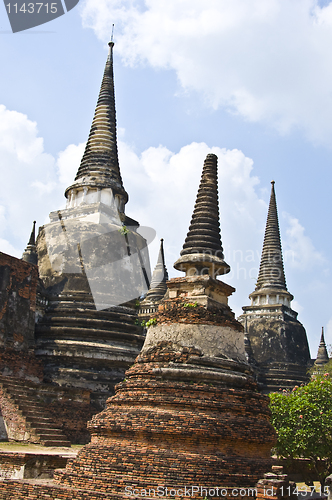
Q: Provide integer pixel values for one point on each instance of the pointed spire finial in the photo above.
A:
(111, 44)
(322, 355)
(32, 240)
(158, 286)
(99, 168)
(271, 270)
(322, 335)
(30, 253)
(202, 252)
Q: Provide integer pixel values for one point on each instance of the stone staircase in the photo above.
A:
(42, 429)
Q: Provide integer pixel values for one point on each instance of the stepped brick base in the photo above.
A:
(21, 465)
(25, 417)
(83, 348)
(175, 422)
(274, 486)
(46, 490)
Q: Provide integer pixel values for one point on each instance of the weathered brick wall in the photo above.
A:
(69, 408)
(72, 418)
(18, 285)
(35, 490)
(15, 423)
(21, 365)
(158, 431)
(29, 465)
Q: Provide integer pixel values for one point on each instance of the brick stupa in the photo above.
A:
(189, 412)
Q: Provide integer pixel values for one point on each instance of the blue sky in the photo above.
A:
(250, 80)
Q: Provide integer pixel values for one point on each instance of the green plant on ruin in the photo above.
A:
(151, 322)
(140, 323)
(124, 230)
(303, 421)
(190, 304)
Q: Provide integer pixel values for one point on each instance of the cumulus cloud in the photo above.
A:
(266, 61)
(328, 335)
(6, 247)
(30, 185)
(299, 251)
(68, 163)
(162, 185)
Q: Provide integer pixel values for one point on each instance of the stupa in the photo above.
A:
(157, 289)
(322, 354)
(94, 265)
(189, 411)
(278, 341)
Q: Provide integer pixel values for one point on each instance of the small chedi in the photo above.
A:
(94, 265)
(276, 342)
(157, 289)
(189, 412)
(322, 354)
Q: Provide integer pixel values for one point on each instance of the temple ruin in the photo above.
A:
(189, 411)
(276, 341)
(94, 265)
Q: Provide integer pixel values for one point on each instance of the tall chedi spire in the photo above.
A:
(189, 406)
(271, 283)
(202, 251)
(271, 271)
(99, 168)
(94, 266)
(322, 355)
(278, 340)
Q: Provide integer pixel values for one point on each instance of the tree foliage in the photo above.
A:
(303, 421)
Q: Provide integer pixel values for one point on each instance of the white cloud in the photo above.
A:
(266, 61)
(6, 247)
(18, 136)
(296, 306)
(163, 187)
(68, 163)
(328, 335)
(30, 189)
(299, 251)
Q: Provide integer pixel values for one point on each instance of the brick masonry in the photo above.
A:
(18, 286)
(180, 418)
(68, 408)
(20, 364)
(30, 465)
